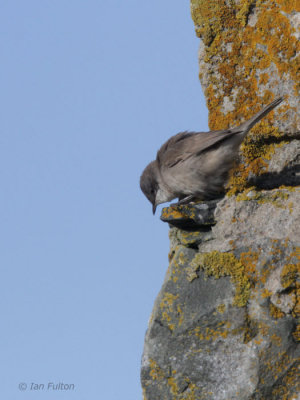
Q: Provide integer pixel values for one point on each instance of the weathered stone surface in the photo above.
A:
(226, 323)
(249, 54)
(190, 217)
(283, 167)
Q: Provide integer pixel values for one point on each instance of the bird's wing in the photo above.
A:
(185, 144)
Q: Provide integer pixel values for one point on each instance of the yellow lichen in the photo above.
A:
(221, 308)
(290, 385)
(266, 293)
(175, 269)
(209, 333)
(296, 333)
(188, 237)
(276, 312)
(240, 53)
(178, 212)
(225, 264)
(144, 394)
(289, 275)
(167, 308)
(276, 339)
(173, 212)
(191, 272)
(275, 197)
(156, 372)
(290, 280)
(171, 313)
(249, 260)
(173, 385)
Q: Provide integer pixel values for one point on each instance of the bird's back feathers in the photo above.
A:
(185, 144)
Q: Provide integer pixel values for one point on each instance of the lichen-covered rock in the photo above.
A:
(190, 216)
(226, 323)
(249, 54)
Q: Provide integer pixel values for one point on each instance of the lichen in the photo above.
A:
(285, 370)
(167, 309)
(189, 238)
(240, 54)
(249, 261)
(173, 212)
(156, 372)
(275, 312)
(275, 197)
(290, 280)
(221, 308)
(219, 264)
(173, 384)
(289, 275)
(175, 266)
(212, 333)
(189, 391)
(178, 212)
(289, 387)
(266, 293)
(191, 272)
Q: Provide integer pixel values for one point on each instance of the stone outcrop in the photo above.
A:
(225, 324)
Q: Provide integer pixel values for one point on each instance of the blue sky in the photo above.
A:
(89, 92)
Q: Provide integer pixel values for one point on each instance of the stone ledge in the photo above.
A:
(190, 216)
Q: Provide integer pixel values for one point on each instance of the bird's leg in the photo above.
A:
(184, 200)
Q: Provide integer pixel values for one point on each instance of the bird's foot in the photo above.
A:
(185, 200)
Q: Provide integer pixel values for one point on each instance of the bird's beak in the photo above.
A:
(153, 208)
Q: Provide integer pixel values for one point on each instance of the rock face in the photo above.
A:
(225, 324)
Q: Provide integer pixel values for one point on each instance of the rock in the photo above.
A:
(224, 325)
(190, 217)
(283, 168)
(226, 322)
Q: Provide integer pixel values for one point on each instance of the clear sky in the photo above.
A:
(89, 91)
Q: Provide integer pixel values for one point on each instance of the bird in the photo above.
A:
(194, 166)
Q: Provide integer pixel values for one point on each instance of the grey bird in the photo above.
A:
(194, 165)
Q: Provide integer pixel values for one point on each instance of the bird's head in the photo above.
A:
(153, 187)
(149, 183)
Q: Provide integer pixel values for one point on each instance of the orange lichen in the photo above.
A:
(289, 275)
(290, 280)
(156, 372)
(210, 333)
(167, 308)
(171, 212)
(266, 293)
(290, 385)
(276, 312)
(240, 54)
(249, 260)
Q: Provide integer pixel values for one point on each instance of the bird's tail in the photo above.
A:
(246, 126)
